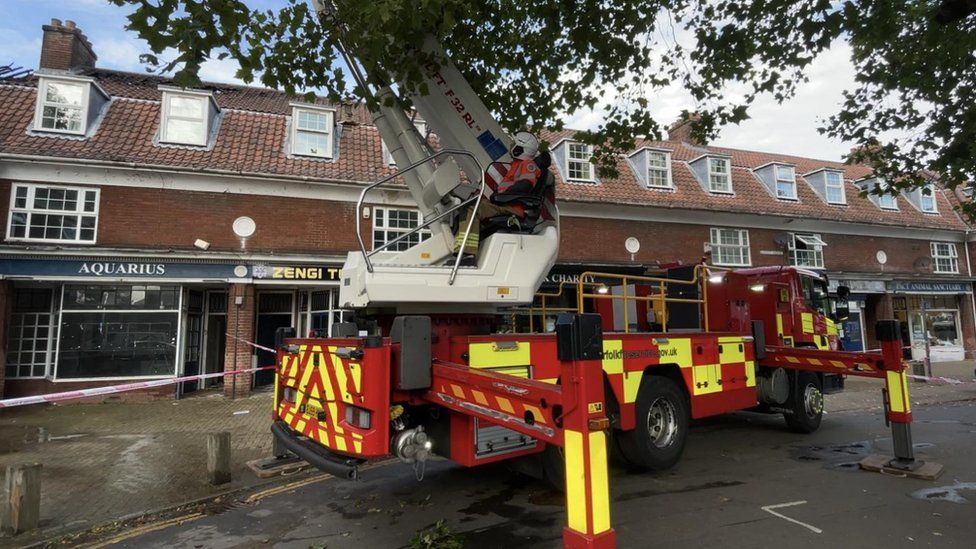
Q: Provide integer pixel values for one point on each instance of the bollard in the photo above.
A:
(218, 458)
(22, 498)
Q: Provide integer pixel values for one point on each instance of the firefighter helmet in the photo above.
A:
(526, 146)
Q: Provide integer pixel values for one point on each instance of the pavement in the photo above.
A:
(129, 459)
(104, 461)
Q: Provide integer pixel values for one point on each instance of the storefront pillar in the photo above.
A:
(240, 329)
(968, 324)
(6, 305)
(876, 307)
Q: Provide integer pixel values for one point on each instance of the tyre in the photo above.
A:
(659, 438)
(806, 403)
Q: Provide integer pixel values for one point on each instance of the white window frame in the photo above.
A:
(726, 173)
(922, 197)
(813, 250)
(424, 233)
(166, 116)
(719, 248)
(570, 159)
(42, 102)
(949, 256)
(839, 186)
(330, 132)
(882, 198)
(30, 211)
(666, 170)
(778, 179)
(388, 157)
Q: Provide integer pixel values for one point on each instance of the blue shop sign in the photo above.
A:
(930, 287)
(111, 269)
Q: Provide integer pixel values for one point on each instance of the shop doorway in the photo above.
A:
(193, 339)
(853, 339)
(275, 310)
(215, 336)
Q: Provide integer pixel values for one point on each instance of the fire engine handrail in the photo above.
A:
(474, 198)
(660, 297)
(532, 310)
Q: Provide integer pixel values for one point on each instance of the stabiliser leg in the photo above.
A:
(898, 410)
(580, 351)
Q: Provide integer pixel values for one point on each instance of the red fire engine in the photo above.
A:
(426, 369)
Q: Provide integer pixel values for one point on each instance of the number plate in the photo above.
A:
(312, 409)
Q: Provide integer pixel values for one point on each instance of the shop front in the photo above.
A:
(931, 314)
(76, 323)
(852, 331)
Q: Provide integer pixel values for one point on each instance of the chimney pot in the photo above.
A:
(69, 24)
(55, 22)
(681, 129)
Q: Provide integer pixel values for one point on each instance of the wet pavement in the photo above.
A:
(744, 481)
(105, 461)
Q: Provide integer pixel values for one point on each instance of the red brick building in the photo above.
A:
(119, 193)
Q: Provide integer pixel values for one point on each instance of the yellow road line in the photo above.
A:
(257, 496)
(144, 530)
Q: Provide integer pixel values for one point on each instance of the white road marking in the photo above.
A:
(769, 509)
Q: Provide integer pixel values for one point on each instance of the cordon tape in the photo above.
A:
(135, 386)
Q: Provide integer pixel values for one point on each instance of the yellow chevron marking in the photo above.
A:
(536, 413)
(792, 359)
(505, 404)
(815, 362)
(457, 390)
(479, 397)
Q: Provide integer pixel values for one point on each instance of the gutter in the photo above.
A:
(159, 168)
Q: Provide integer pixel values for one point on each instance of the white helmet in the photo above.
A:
(526, 146)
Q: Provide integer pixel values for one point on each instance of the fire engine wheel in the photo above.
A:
(807, 404)
(659, 438)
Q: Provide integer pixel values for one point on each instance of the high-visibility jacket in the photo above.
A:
(503, 177)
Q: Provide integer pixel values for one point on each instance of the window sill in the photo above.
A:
(16, 240)
(54, 132)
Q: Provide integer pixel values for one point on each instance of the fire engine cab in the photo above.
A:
(433, 366)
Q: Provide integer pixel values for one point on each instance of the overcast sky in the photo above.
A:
(788, 128)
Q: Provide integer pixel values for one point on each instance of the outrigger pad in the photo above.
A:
(927, 470)
(413, 370)
(579, 337)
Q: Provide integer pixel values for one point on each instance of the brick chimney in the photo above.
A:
(66, 48)
(681, 129)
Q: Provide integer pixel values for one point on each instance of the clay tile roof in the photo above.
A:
(252, 138)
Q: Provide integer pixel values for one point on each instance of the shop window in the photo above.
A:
(40, 213)
(118, 332)
(578, 166)
(391, 223)
(30, 335)
(945, 259)
(318, 312)
(806, 250)
(313, 130)
(730, 247)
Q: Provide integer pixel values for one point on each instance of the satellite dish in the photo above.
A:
(244, 226)
(632, 245)
(881, 256)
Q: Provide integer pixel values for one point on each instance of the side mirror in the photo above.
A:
(843, 292)
(842, 311)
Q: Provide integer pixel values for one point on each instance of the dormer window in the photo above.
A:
(887, 202)
(313, 131)
(388, 158)
(578, 165)
(884, 201)
(719, 175)
(926, 199)
(187, 117)
(652, 168)
(834, 188)
(63, 106)
(785, 182)
(66, 104)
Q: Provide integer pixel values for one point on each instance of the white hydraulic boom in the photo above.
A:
(427, 277)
